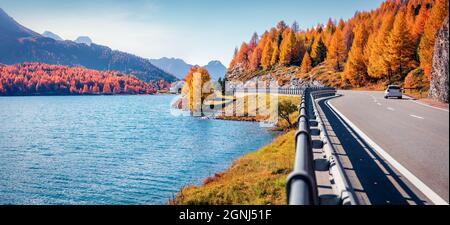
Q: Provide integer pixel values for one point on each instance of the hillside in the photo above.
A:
(388, 45)
(19, 44)
(180, 68)
(43, 79)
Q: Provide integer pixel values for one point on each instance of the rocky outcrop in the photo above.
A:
(439, 85)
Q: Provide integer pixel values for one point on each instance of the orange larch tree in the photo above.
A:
(400, 48)
(437, 16)
(306, 64)
(336, 54)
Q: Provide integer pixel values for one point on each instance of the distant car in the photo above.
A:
(393, 91)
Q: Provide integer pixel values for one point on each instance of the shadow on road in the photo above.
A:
(376, 180)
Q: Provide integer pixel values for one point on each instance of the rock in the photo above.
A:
(439, 85)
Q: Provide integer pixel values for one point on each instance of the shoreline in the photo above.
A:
(256, 178)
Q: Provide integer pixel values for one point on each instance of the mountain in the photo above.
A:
(216, 69)
(83, 40)
(19, 44)
(51, 35)
(177, 67)
(11, 29)
(180, 68)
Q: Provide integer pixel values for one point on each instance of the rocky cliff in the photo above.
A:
(439, 85)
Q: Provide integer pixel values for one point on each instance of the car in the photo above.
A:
(393, 91)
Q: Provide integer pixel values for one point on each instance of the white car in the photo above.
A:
(393, 91)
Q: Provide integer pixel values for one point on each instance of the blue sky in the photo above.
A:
(195, 30)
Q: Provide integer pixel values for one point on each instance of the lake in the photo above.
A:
(111, 149)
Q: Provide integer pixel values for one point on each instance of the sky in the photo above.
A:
(197, 31)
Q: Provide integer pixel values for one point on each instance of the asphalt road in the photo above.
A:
(416, 136)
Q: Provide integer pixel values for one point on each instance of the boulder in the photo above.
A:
(439, 85)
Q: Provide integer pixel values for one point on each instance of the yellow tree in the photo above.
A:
(306, 64)
(378, 66)
(336, 54)
(419, 23)
(437, 15)
(287, 49)
(400, 48)
(266, 57)
(275, 54)
(355, 70)
(198, 85)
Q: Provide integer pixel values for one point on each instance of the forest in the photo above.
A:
(44, 79)
(392, 44)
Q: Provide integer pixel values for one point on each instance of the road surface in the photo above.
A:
(415, 135)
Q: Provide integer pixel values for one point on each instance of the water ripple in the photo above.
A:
(110, 149)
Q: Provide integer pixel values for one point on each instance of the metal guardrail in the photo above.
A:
(301, 186)
(283, 91)
(345, 193)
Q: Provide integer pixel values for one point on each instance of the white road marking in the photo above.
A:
(427, 191)
(391, 109)
(420, 103)
(379, 104)
(418, 117)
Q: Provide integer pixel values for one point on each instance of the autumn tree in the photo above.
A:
(356, 69)
(370, 47)
(106, 89)
(86, 89)
(285, 109)
(96, 89)
(336, 54)
(419, 23)
(318, 51)
(39, 78)
(116, 89)
(275, 55)
(243, 55)
(437, 16)
(287, 49)
(378, 66)
(306, 64)
(414, 80)
(400, 48)
(253, 41)
(199, 87)
(330, 28)
(255, 59)
(266, 57)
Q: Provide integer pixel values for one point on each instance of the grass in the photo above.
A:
(258, 178)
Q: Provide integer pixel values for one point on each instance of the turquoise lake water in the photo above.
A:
(111, 149)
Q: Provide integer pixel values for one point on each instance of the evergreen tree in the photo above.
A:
(318, 52)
